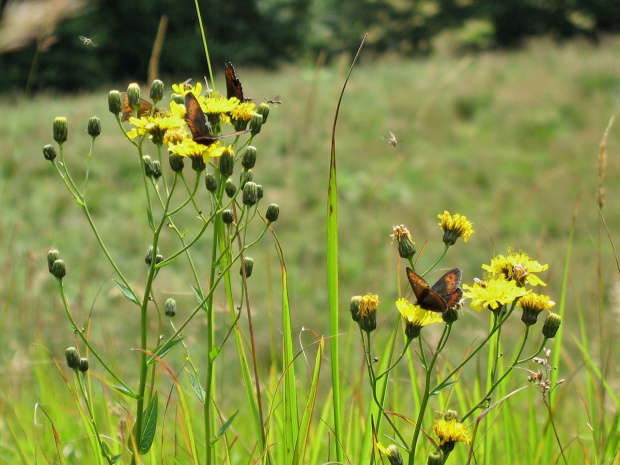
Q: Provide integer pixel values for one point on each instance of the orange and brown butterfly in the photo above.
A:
(144, 110)
(233, 85)
(198, 124)
(442, 295)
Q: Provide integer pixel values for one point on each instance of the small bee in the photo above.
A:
(275, 103)
(187, 84)
(88, 42)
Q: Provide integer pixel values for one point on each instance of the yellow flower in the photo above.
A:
(450, 432)
(454, 226)
(416, 317)
(155, 126)
(216, 105)
(191, 149)
(185, 88)
(369, 305)
(518, 267)
(492, 293)
(364, 311)
(532, 304)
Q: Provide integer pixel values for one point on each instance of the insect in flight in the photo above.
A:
(198, 124)
(88, 42)
(233, 85)
(273, 102)
(392, 140)
(444, 294)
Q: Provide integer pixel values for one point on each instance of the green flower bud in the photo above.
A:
(178, 98)
(435, 458)
(156, 170)
(273, 211)
(227, 216)
(240, 124)
(227, 163)
(59, 269)
(157, 90)
(451, 315)
(259, 191)
(248, 160)
(148, 258)
(249, 266)
(250, 194)
(115, 104)
(83, 365)
(159, 258)
(354, 308)
(230, 188)
(245, 176)
(73, 357)
(133, 96)
(94, 127)
(49, 152)
(170, 308)
(211, 182)
(551, 325)
(176, 162)
(198, 164)
(61, 129)
(256, 123)
(263, 110)
(148, 166)
(52, 256)
(394, 456)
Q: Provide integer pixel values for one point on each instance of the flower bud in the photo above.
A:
(49, 152)
(227, 163)
(159, 258)
(94, 127)
(230, 188)
(227, 216)
(148, 166)
(178, 98)
(273, 211)
(211, 182)
(248, 265)
(198, 164)
(256, 123)
(393, 455)
(52, 256)
(170, 308)
(263, 110)
(435, 458)
(451, 315)
(368, 312)
(156, 170)
(551, 325)
(133, 96)
(61, 129)
(148, 258)
(248, 160)
(59, 269)
(73, 357)
(115, 104)
(354, 307)
(249, 194)
(157, 90)
(259, 191)
(176, 162)
(245, 176)
(83, 365)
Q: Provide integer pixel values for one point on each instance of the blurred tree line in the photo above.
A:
(268, 32)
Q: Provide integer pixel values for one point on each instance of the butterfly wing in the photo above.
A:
(144, 110)
(233, 85)
(197, 121)
(428, 299)
(448, 287)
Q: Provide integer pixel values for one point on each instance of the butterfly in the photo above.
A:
(233, 85)
(198, 124)
(442, 295)
(144, 110)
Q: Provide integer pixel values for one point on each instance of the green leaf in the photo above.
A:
(226, 425)
(127, 292)
(198, 294)
(441, 387)
(161, 351)
(128, 392)
(149, 424)
(149, 216)
(214, 353)
(195, 384)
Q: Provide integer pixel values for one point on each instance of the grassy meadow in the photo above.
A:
(510, 140)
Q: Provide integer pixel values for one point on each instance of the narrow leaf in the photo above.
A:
(128, 392)
(148, 426)
(161, 351)
(127, 293)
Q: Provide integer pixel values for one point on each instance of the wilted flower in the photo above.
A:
(406, 247)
